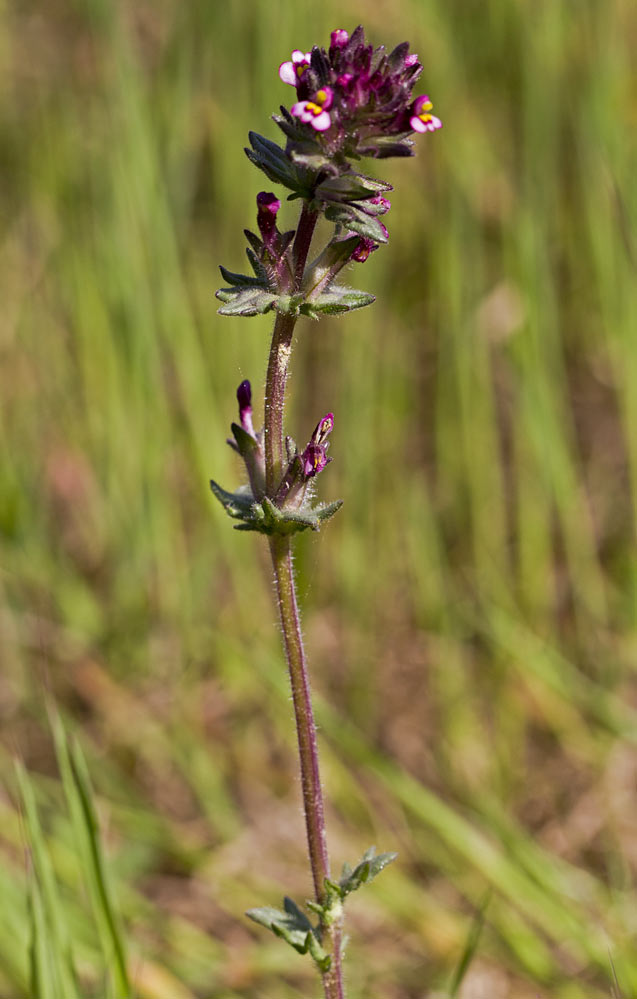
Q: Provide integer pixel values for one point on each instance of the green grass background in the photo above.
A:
(470, 613)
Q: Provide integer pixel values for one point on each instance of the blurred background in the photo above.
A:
(470, 613)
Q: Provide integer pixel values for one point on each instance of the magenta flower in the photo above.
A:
(339, 38)
(267, 207)
(421, 119)
(314, 458)
(292, 71)
(315, 112)
(244, 398)
(363, 250)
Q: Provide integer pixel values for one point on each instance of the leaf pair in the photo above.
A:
(292, 925)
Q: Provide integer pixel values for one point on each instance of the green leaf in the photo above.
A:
(240, 280)
(350, 187)
(238, 504)
(258, 268)
(337, 300)
(311, 161)
(254, 241)
(245, 301)
(384, 146)
(356, 220)
(293, 926)
(327, 510)
(246, 444)
(318, 954)
(275, 163)
(364, 872)
(79, 796)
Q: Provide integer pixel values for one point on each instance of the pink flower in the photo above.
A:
(421, 120)
(292, 71)
(315, 112)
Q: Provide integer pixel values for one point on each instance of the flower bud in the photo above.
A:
(244, 398)
(267, 207)
(339, 39)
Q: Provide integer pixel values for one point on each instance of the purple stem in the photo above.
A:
(279, 361)
(281, 551)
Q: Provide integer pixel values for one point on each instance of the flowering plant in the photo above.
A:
(353, 101)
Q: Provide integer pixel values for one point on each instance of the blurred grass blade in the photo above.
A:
(79, 796)
(46, 913)
(42, 976)
(470, 948)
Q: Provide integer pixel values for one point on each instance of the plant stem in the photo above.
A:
(279, 361)
(281, 551)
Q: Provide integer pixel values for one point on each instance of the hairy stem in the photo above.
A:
(281, 551)
(280, 548)
(279, 361)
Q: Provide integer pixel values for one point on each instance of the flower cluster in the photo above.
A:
(290, 509)
(358, 97)
(271, 257)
